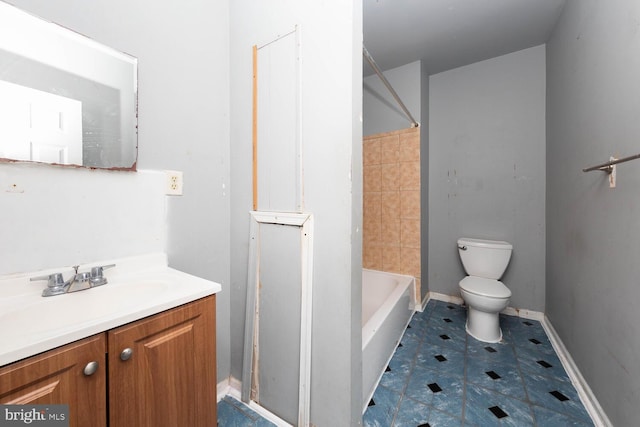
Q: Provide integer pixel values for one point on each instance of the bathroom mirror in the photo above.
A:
(64, 98)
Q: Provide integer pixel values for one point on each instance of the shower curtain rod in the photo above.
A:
(367, 55)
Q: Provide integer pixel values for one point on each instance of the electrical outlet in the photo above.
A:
(174, 183)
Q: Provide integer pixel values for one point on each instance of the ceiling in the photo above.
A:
(446, 34)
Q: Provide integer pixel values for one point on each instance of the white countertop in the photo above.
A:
(137, 287)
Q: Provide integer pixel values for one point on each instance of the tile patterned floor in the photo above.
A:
(440, 376)
(233, 413)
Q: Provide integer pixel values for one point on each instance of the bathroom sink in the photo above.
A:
(137, 287)
(41, 316)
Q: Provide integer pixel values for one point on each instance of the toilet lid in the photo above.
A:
(485, 287)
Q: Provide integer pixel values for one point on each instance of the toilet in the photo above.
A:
(484, 261)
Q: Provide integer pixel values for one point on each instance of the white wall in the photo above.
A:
(593, 99)
(331, 43)
(487, 169)
(183, 124)
(54, 217)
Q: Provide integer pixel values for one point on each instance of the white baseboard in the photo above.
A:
(232, 387)
(589, 400)
(441, 297)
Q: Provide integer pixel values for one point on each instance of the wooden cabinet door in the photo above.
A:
(57, 377)
(169, 378)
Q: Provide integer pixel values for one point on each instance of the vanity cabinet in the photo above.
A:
(58, 376)
(161, 372)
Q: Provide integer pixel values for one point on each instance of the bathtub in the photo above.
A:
(388, 302)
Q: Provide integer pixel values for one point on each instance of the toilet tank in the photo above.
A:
(484, 258)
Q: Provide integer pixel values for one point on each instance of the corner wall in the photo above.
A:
(593, 100)
(487, 169)
(381, 113)
(331, 73)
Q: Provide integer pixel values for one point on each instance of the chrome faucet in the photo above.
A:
(56, 284)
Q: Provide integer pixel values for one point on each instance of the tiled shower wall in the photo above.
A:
(391, 214)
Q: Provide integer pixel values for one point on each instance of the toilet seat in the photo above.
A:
(485, 287)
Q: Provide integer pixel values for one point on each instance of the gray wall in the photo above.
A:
(183, 124)
(331, 43)
(380, 112)
(487, 169)
(593, 100)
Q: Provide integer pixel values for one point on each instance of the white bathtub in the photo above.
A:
(388, 303)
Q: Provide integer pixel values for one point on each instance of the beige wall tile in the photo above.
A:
(372, 258)
(372, 178)
(390, 232)
(371, 232)
(410, 233)
(391, 205)
(390, 179)
(409, 204)
(410, 176)
(372, 206)
(371, 152)
(410, 260)
(390, 149)
(391, 260)
(418, 290)
(410, 147)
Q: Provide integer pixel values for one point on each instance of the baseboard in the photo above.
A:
(441, 297)
(232, 387)
(589, 400)
(524, 313)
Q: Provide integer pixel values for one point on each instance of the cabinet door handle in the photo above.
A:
(91, 368)
(126, 354)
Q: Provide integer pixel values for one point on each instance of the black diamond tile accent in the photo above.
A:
(493, 375)
(448, 320)
(561, 397)
(400, 345)
(528, 323)
(408, 326)
(445, 337)
(388, 369)
(440, 358)
(490, 349)
(371, 403)
(435, 387)
(498, 412)
(544, 363)
(535, 341)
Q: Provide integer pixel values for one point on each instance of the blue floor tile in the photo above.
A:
(232, 413)
(440, 376)
(443, 377)
(382, 409)
(484, 407)
(500, 377)
(438, 389)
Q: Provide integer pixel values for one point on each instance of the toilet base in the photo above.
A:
(483, 326)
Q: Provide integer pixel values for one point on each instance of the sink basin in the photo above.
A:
(138, 287)
(46, 314)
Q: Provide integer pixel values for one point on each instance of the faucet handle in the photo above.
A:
(55, 284)
(97, 278)
(53, 280)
